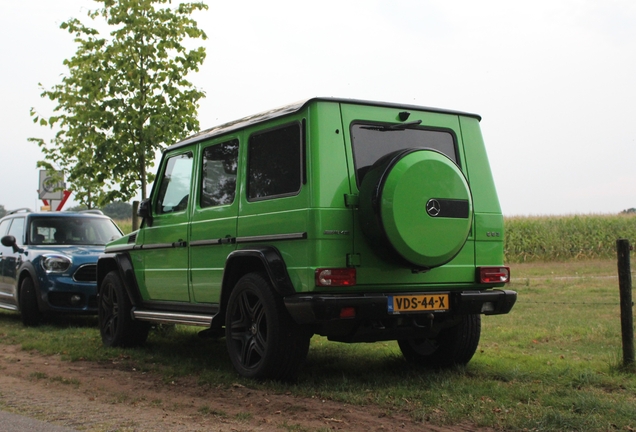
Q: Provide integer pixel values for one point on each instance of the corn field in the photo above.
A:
(566, 238)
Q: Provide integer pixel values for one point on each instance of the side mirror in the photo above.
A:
(9, 241)
(145, 212)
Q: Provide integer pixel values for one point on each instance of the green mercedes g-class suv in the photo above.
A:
(359, 221)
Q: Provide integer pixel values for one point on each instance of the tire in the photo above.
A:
(416, 208)
(29, 309)
(263, 341)
(454, 346)
(116, 325)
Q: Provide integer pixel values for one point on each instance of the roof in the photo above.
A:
(30, 214)
(295, 107)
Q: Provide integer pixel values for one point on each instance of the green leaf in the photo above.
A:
(124, 97)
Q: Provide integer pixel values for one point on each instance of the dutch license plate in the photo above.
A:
(418, 303)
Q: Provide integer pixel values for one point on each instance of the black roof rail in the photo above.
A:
(23, 209)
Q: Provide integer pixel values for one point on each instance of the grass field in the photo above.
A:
(553, 363)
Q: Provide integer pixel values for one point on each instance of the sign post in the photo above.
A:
(52, 188)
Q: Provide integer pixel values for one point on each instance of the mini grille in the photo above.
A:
(86, 273)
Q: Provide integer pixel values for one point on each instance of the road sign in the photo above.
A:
(51, 186)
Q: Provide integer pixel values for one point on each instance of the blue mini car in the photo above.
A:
(49, 261)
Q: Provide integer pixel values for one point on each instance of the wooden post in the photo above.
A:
(135, 218)
(627, 317)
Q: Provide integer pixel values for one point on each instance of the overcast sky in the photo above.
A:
(554, 80)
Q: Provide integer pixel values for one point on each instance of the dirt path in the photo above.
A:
(97, 397)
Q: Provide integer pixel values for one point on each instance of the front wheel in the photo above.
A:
(29, 309)
(262, 339)
(453, 346)
(116, 325)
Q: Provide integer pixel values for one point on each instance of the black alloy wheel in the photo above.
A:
(116, 325)
(262, 340)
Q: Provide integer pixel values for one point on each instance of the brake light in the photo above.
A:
(494, 274)
(335, 277)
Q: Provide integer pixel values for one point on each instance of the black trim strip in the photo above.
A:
(450, 208)
(213, 242)
(121, 248)
(158, 246)
(274, 237)
(206, 242)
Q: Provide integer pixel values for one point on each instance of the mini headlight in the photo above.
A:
(56, 263)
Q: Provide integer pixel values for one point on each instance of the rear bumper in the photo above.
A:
(325, 308)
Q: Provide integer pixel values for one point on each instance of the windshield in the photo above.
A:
(72, 231)
(372, 141)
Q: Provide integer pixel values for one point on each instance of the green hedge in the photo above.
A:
(566, 238)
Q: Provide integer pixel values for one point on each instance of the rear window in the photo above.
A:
(371, 141)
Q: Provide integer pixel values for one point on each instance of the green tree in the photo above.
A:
(124, 97)
(118, 210)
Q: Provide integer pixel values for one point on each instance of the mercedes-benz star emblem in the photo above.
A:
(433, 208)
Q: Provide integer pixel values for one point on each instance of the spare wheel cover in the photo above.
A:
(423, 204)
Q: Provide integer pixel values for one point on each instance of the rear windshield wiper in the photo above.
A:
(394, 127)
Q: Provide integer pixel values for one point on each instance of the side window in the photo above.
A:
(174, 189)
(4, 225)
(218, 179)
(17, 229)
(275, 163)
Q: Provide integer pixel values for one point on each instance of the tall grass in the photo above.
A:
(564, 238)
(125, 225)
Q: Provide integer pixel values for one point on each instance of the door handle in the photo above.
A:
(180, 243)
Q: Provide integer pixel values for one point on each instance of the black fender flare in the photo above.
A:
(122, 263)
(256, 258)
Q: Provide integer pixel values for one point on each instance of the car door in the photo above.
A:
(213, 226)
(4, 251)
(165, 240)
(11, 261)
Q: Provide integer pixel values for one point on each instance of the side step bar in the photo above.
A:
(8, 307)
(173, 318)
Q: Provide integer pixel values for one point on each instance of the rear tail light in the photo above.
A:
(334, 277)
(494, 274)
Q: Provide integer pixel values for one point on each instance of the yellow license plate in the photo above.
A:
(418, 303)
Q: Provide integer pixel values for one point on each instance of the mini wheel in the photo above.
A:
(29, 309)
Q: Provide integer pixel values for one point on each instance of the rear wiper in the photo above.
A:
(394, 127)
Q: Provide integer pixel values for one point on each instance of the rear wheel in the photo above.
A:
(29, 310)
(451, 347)
(116, 325)
(262, 339)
